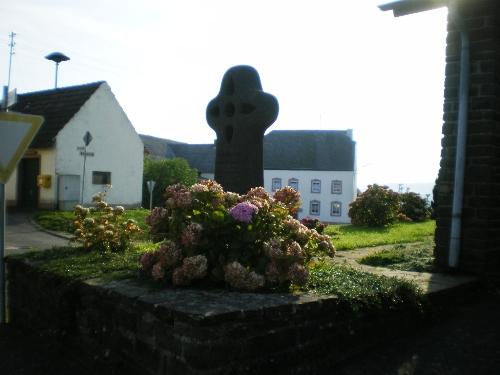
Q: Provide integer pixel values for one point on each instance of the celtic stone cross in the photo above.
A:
(240, 115)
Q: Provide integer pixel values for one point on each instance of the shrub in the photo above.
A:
(247, 242)
(103, 227)
(377, 206)
(414, 206)
(165, 172)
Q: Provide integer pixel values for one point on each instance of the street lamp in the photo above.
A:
(57, 57)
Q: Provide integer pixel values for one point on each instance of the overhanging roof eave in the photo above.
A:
(406, 7)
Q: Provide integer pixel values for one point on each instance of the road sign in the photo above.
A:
(17, 130)
(11, 98)
(87, 138)
(151, 185)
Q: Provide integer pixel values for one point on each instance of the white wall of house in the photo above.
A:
(117, 149)
(208, 176)
(325, 197)
(46, 196)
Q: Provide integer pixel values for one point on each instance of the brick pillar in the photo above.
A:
(480, 251)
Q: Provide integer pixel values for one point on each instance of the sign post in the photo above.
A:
(87, 138)
(17, 130)
(151, 186)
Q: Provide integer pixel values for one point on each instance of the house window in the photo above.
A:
(336, 187)
(314, 207)
(276, 185)
(294, 184)
(101, 178)
(336, 209)
(316, 186)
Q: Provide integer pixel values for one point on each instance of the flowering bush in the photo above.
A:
(248, 242)
(313, 223)
(103, 227)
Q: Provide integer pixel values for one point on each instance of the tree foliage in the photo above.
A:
(165, 172)
(377, 206)
(414, 206)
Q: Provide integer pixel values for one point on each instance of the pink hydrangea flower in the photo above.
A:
(157, 271)
(169, 254)
(326, 245)
(147, 260)
(289, 197)
(156, 216)
(212, 186)
(238, 277)
(273, 248)
(193, 268)
(191, 234)
(254, 281)
(178, 196)
(243, 212)
(179, 277)
(298, 274)
(258, 192)
(272, 273)
(199, 188)
(293, 249)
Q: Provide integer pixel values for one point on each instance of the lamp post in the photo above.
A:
(57, 57)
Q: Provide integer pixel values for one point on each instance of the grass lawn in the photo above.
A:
(63, 220)
(349, 237)
(416, 257)
(77, 264)
(362, 288)
(356, 287)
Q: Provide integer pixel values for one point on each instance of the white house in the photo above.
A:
(51, 173)
(319, 164)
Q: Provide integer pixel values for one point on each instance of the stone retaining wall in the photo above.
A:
(121, 327)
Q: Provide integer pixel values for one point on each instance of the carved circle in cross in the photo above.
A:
(241, 104)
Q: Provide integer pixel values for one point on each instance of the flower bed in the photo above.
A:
(248, 242)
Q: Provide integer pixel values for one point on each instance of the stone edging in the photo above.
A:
(63, 235)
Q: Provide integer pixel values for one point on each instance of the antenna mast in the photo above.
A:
(11, 45)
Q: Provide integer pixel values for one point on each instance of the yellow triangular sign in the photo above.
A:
(17, 130)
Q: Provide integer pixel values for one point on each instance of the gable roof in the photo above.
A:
(405, 7)
(158, 148)
(199, 156)
(321, 150)
(57, 106)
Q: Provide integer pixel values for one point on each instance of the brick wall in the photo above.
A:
(123, 328)
(480, 251)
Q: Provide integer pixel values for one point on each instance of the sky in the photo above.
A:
(332, 65)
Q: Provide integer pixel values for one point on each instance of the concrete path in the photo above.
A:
(21, 235)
